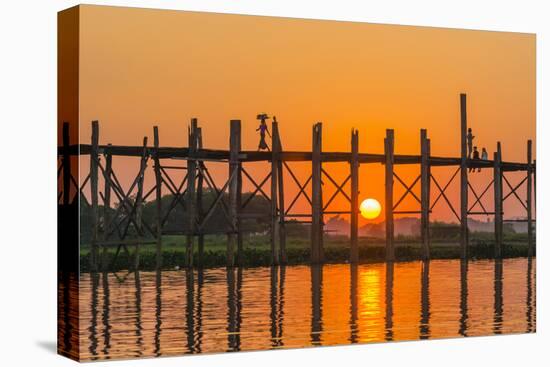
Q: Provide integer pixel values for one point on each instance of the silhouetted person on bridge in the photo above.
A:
(475, 158)
(470, 140)
(484, 156)
(263, 130)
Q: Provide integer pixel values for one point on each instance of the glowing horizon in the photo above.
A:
(142, 67)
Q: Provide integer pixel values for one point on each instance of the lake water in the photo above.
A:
(218, 310)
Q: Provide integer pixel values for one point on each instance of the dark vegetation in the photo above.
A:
(256, 249)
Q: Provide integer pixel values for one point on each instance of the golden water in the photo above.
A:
(218, 310)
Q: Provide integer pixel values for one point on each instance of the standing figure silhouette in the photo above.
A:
(263, 130)
(475, 158)
(470, 141)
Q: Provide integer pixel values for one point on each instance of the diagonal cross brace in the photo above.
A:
(478, 198)
(408, 190)
(339, 189)
(442, 193)
(258, 188)
(514, 190)
(300, 186)
(216, 202)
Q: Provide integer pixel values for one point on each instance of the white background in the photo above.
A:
(28, 182)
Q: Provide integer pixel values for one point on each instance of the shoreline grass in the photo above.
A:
(256, 251)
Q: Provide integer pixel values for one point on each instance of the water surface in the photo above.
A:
(217, 310)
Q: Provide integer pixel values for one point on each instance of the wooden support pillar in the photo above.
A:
(425, 193)
(274, 212)
(94, 217)
(239, 179)
(107, 202)
(139, 201)
(388, 151)
(234, 169)
(190, 196)
(497, 176)
(158, 197)
(66, 166)
(354, 220)
(200, 209)
(463, 179)
(239, 205)
(529, 200)
(317, 199)
(281, 193)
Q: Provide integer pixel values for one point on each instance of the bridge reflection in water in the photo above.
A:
(217, 310)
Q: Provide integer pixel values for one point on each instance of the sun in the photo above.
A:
(370, 208)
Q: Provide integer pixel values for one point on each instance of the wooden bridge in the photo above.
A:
(110, 230)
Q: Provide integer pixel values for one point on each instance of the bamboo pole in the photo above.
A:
(234, 149)
(158, 197)
(497, 175)
(200, 209)
(317, 204)
(425, 193)
(463, 179)
(94, 166)
(354, 220)
(529, 202)
(389, 153)
(190, 196)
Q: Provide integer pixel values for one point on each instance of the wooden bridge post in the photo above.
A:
(190, 196)
(274, 212)
(497, 176)
(281, 193)
(389, 153)
(239, 179)
(529, 198)
(107, 202)
(158, 198)
(139, 200)
(200, 210)
(94, 168)
(425, 193)
(317, 200)
(463, 179)
(354, 220)
(234, 170)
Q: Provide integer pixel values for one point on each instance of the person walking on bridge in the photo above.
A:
(263, 130)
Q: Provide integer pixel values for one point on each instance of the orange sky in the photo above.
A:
(141, 67)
